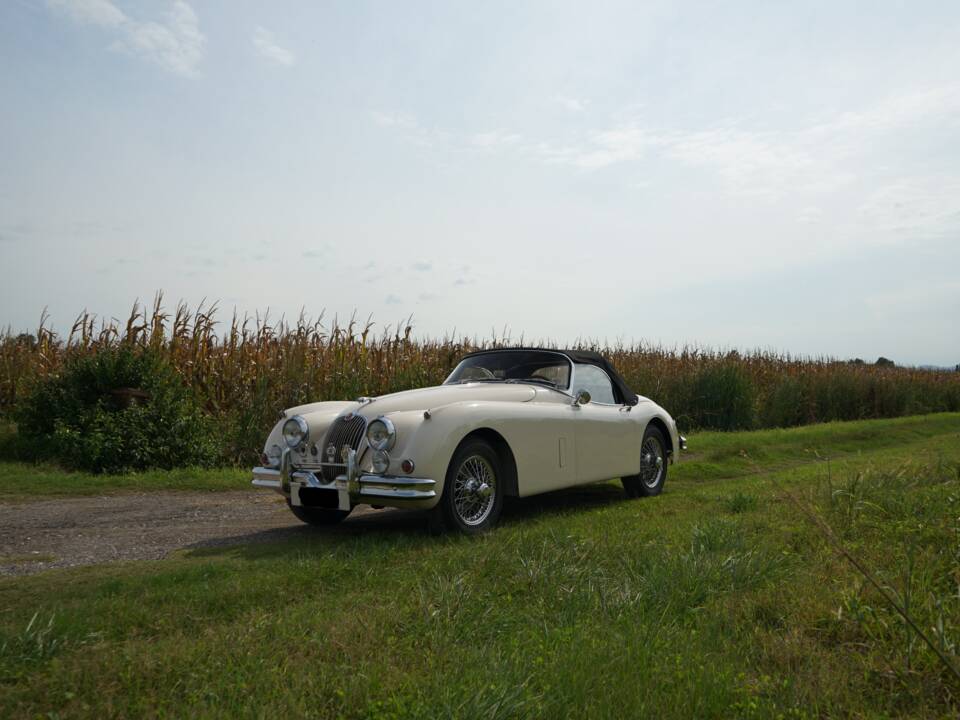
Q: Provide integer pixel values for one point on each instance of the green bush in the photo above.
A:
(723, 398)
(85, 417)
(784, 404)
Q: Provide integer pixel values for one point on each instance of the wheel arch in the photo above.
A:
(508, 462)
(662, 426)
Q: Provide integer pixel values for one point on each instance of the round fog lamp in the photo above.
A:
(381, 462)
(273, 456)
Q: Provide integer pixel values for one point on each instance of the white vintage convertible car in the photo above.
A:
(512, 422)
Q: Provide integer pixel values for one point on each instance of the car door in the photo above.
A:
(607, 436)
(542, 435)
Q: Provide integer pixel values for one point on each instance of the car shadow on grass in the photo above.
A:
(398, 524)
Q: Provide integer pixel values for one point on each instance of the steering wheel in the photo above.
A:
(478, 373)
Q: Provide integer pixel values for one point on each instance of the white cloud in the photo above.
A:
(267, 47)
(405, 121)
(496, 138)
(914, 208)
(411, 129)
(762, 162)
(926, 297)
(896, 111)
(602, 148)
(750, 163)
(570, 103)
(175, 43)
(803, 167)
(91, 12)
(810, 215)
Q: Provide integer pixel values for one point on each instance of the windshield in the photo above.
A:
(535, 366)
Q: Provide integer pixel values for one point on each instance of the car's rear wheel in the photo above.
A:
(318, 516)
(472, 491)
(653, 466)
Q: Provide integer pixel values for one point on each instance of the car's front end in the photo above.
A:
(318, 461)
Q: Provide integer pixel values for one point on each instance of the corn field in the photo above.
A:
(247, 370)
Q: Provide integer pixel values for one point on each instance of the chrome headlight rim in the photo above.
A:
(302, 428)
(380, 462)
(388, 443)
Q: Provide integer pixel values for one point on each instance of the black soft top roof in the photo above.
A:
(588, 357)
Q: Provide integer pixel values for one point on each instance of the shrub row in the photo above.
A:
(225, 386)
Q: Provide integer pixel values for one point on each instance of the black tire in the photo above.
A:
(318, 516)
(654, 462)
(464, 506)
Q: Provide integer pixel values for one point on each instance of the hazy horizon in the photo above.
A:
(758, 176)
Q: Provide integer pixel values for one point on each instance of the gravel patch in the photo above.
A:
(67, 532)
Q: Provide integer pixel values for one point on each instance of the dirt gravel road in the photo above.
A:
(63, 532)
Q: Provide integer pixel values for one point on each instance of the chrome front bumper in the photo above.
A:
(352, 488)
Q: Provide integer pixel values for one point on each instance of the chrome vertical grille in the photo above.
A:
(346, 431)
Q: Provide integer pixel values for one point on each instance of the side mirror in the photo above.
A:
(582, 398)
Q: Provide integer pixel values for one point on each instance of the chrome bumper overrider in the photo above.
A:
(683, 442)
(354, 487)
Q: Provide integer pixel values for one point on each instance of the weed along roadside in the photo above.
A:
(240, 374)
(735, 599)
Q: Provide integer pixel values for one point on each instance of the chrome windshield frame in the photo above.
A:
(565, 390)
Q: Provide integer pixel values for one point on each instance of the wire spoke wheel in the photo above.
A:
(651, 461)
(474, 490)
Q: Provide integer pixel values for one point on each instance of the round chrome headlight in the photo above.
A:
(295, 431)
(381, 434)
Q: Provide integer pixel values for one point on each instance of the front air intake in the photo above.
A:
(345, 432)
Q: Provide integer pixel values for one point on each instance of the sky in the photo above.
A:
(782, 176)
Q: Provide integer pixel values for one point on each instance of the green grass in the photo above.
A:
(28, 480)
(716, 599)
(25, 481)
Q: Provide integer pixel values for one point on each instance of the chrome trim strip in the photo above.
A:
(272, 484)
(266, 473)
(392, 480)
(267, 478)
(397, 494)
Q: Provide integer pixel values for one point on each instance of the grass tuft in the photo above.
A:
(740, 502)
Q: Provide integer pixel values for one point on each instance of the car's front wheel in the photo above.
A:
(472, 492)
(653, 466)
(318, 516)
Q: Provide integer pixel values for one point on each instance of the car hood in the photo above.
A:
(434, 397)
